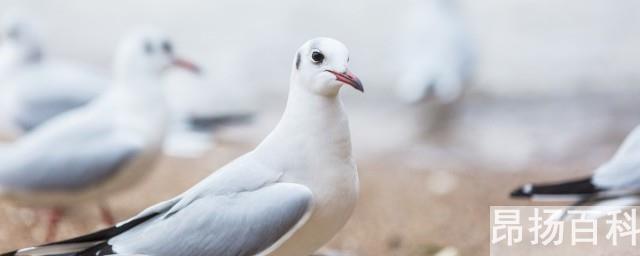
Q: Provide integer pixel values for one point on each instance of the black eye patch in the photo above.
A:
(167, 47)
(298, 61)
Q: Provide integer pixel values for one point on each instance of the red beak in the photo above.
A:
(189, 66)
(348, 78)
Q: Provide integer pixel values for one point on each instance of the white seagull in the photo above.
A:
(89, 153)
(288, 196)
(199, 109)
(438, 53)
(617, 180)
(34, 87)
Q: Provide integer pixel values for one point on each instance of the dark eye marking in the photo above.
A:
(298, 61)
(317, 57)
(148, 47)
(167, 47)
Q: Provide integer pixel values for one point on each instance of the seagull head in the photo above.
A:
(148, 52)
(19, 39)
(322, 66)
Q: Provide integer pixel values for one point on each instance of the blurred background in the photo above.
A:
(553, 90)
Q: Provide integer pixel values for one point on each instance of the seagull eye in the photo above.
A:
(167, 47)
(317, 57)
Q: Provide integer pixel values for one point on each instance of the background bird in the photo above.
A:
(34, 86)
(288, 196)
(436, 63)
(92, 152)
(617, 180)
(201, 107)
(438, 55)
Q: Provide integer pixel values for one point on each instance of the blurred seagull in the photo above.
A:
(618, 180)
(438, 53)
(35, 88)
(289, 196)
(200, 108)
(92, 152)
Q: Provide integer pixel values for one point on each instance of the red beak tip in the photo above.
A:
(188, 66)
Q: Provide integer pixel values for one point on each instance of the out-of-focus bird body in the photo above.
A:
(92, 152)
(437, 52)
(34, 87)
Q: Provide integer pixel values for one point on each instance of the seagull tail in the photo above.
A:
(71, 249)
(580, 187)
(9, 253)
(94, 244)
(213, 122)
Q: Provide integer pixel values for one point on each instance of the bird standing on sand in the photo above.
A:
(289, 196)
(34, 88)
(90, 153)
(618, 180)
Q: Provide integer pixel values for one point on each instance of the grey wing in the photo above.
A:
(67, 159)
(618, 174)
(623, 170)
(244, 223)
(54, 89)
(37, 110)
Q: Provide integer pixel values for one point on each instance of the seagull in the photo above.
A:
(34, 87)
(617, 180)
(439, 55)
(288, 196)
(91, 152)
(199, 109)
(192, 136)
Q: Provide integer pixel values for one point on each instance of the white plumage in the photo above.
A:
(289, 196)
(89, 153)
(35, 87)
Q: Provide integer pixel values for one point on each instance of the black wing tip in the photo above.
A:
(102, 247)
(204, 123)
(583, 186)
(9, 253)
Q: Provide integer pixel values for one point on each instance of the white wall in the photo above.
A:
(523, 45)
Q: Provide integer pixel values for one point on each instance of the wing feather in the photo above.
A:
(245, 223)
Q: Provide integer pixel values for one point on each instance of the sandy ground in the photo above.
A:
(407, 207)
(398, 213)
(415, 198)
(402, 210)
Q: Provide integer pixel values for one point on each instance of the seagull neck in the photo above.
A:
(311, 119)
(318, 110)
(140, 102)
(144, 93)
